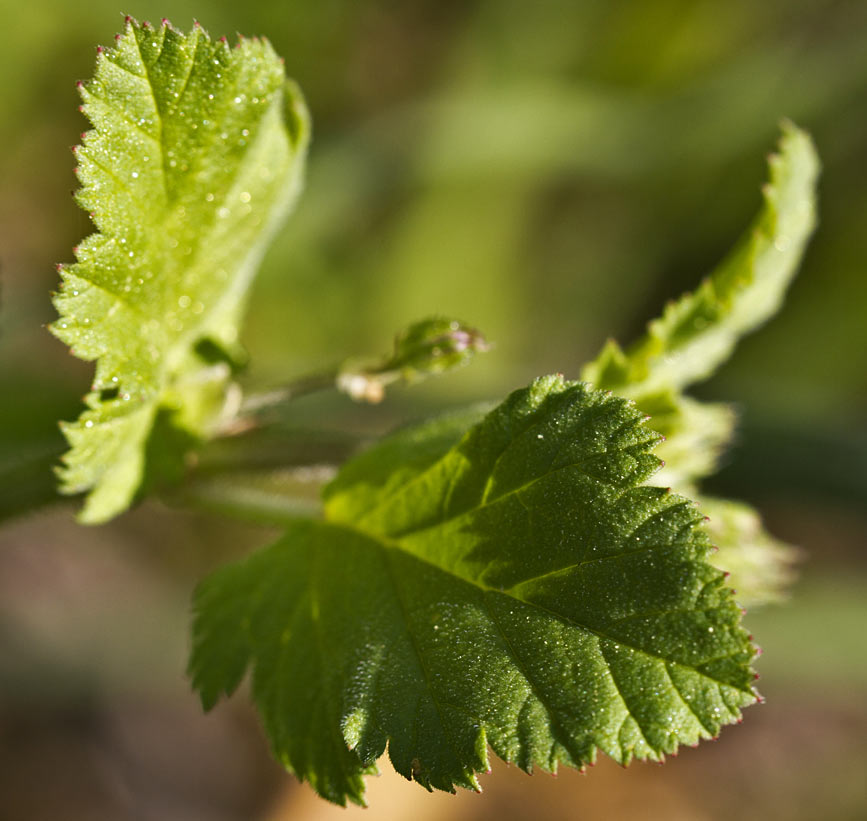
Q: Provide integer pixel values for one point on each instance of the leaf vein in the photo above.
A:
(396, 546)
(179, 95)
(553, 715)
(685, 701)
(418, 653)
(116, 108)
(156, 108)
(625, 702)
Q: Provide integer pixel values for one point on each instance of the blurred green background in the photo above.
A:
(550, 172)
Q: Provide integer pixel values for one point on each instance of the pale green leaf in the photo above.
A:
(761, 567)
(194, 158)
(517, 587)
(697, 333)
(696, 434)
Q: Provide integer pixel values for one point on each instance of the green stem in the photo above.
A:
(273, 448)
(303, 386)
(27, 482)
(235, 499)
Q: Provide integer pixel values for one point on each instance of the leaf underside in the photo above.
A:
(194, 157)
(697, 333)
(519, 587)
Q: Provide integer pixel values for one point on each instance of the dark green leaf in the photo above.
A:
(517, 587)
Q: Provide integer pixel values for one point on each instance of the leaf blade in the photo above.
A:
(442, 635)
(194, 157)
(760, 567)
(698, 332)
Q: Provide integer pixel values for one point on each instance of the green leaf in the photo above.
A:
(698, 332)
(517, 587)
(398, 459)
(695, 335)
(696, 433)
(760, 567)
(195, 157)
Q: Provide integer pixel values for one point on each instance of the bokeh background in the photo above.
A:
(551, 172)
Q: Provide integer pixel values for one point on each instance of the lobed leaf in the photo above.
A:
(517, 587)
(195, 156)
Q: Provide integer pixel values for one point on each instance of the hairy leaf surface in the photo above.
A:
(696, 433)
(517, 587)
(194, 157)
(697, 333)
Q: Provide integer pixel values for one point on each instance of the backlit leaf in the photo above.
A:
(696, 333)
(761, 567)
(194, 158)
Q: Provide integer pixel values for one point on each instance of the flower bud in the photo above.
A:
(431, 346)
